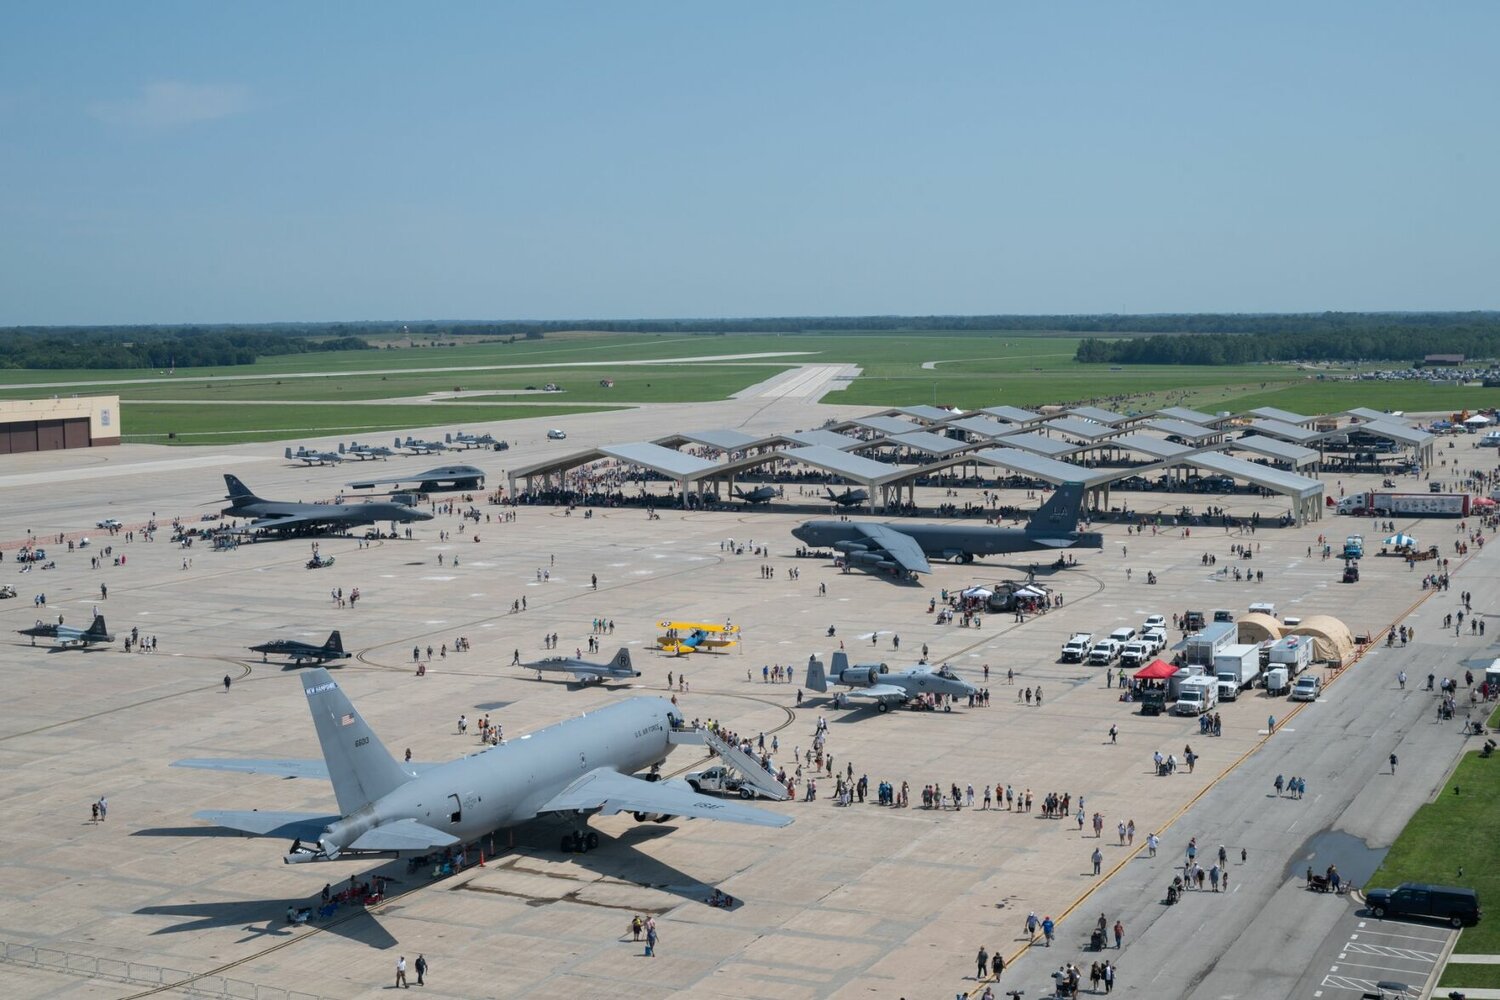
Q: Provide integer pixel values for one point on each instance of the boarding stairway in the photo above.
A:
(747, 766)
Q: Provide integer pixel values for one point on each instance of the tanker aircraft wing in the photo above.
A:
(610, 792)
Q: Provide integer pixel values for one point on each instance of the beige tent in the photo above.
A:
(1256, 628)
(1332, 641)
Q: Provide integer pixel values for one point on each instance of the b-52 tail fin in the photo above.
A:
(1059, 515)
(360, 767)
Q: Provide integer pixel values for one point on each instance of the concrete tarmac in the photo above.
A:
(864, 901)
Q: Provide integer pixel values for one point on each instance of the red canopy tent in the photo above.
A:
(1156, 670)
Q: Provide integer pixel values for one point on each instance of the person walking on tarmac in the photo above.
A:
(1393, 762)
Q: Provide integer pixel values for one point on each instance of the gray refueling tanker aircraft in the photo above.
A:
(584, 672)
(278, 515)
(886, 687)
(300, 652)
(903, 549)
(578, 768)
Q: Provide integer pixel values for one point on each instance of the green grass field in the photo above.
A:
(965, 369)
(1452, 832)
(198, 424)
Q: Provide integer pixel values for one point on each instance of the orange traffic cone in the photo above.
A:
(481, 857)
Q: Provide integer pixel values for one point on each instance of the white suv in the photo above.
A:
(1307, 688)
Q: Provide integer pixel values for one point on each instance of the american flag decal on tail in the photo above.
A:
(347, 719)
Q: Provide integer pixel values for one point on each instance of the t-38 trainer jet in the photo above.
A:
(304, 652)
(584, 672)
(578, 768)
(68, 635)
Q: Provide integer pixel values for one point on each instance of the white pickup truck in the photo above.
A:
(1076, 649)
(720, 779)
(1104, 652)
(1136, 653)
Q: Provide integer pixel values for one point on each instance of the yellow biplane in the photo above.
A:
(681, 638)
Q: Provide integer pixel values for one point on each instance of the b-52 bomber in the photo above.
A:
(902, 549)
(578, 768)
(444, 479)
(309, 457)
(304, 652)
(885, 686)
(68, 635)
(584, 672)
(763, 494)
(286, 516)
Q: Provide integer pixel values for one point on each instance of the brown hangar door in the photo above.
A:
(17, 437)
(49, 435)
(76, 433)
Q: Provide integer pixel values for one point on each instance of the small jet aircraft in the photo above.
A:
(364, 451)
(848, 498)
(304, 652)
(575, 769)
(443, 479)
(467, 441)
(277, 515)
(310, 457)
(419, 447)
(584, 672)
(902, 548)
(763, 494)
(886, 687)
(68, 635)
(682, 638)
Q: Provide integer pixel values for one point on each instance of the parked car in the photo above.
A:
(1456, 905)
(556, 435)
(109, 523)
(1307, 688)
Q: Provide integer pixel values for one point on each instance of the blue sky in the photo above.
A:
(214, 162)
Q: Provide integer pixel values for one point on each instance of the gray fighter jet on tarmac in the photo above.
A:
(278, 515)
(578, 768)
(308, 456)
(302, 652)
(885, 686)
(848, 498)
(902, 549)
(467, 441)
(68, 635)
(584, 672)
(763, 494)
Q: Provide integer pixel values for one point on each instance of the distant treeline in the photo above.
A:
(1368, 338)
(156, 347)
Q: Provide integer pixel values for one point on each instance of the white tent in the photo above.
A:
(977, 592)
(1478, 420)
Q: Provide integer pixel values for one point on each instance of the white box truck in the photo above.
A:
(1201, 647)
(1196, 696)
(1237, 668)
(1276, 681)
(1294, 652)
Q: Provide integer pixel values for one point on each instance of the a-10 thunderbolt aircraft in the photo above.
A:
(887, 687)
(310, 457)
(584, 672)
(419, 447)
(301, 652)
(467, 441)
(364, 451)
(69, 635)
(579, 768)
(903, 548)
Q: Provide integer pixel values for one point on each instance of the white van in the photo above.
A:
(556, 435)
